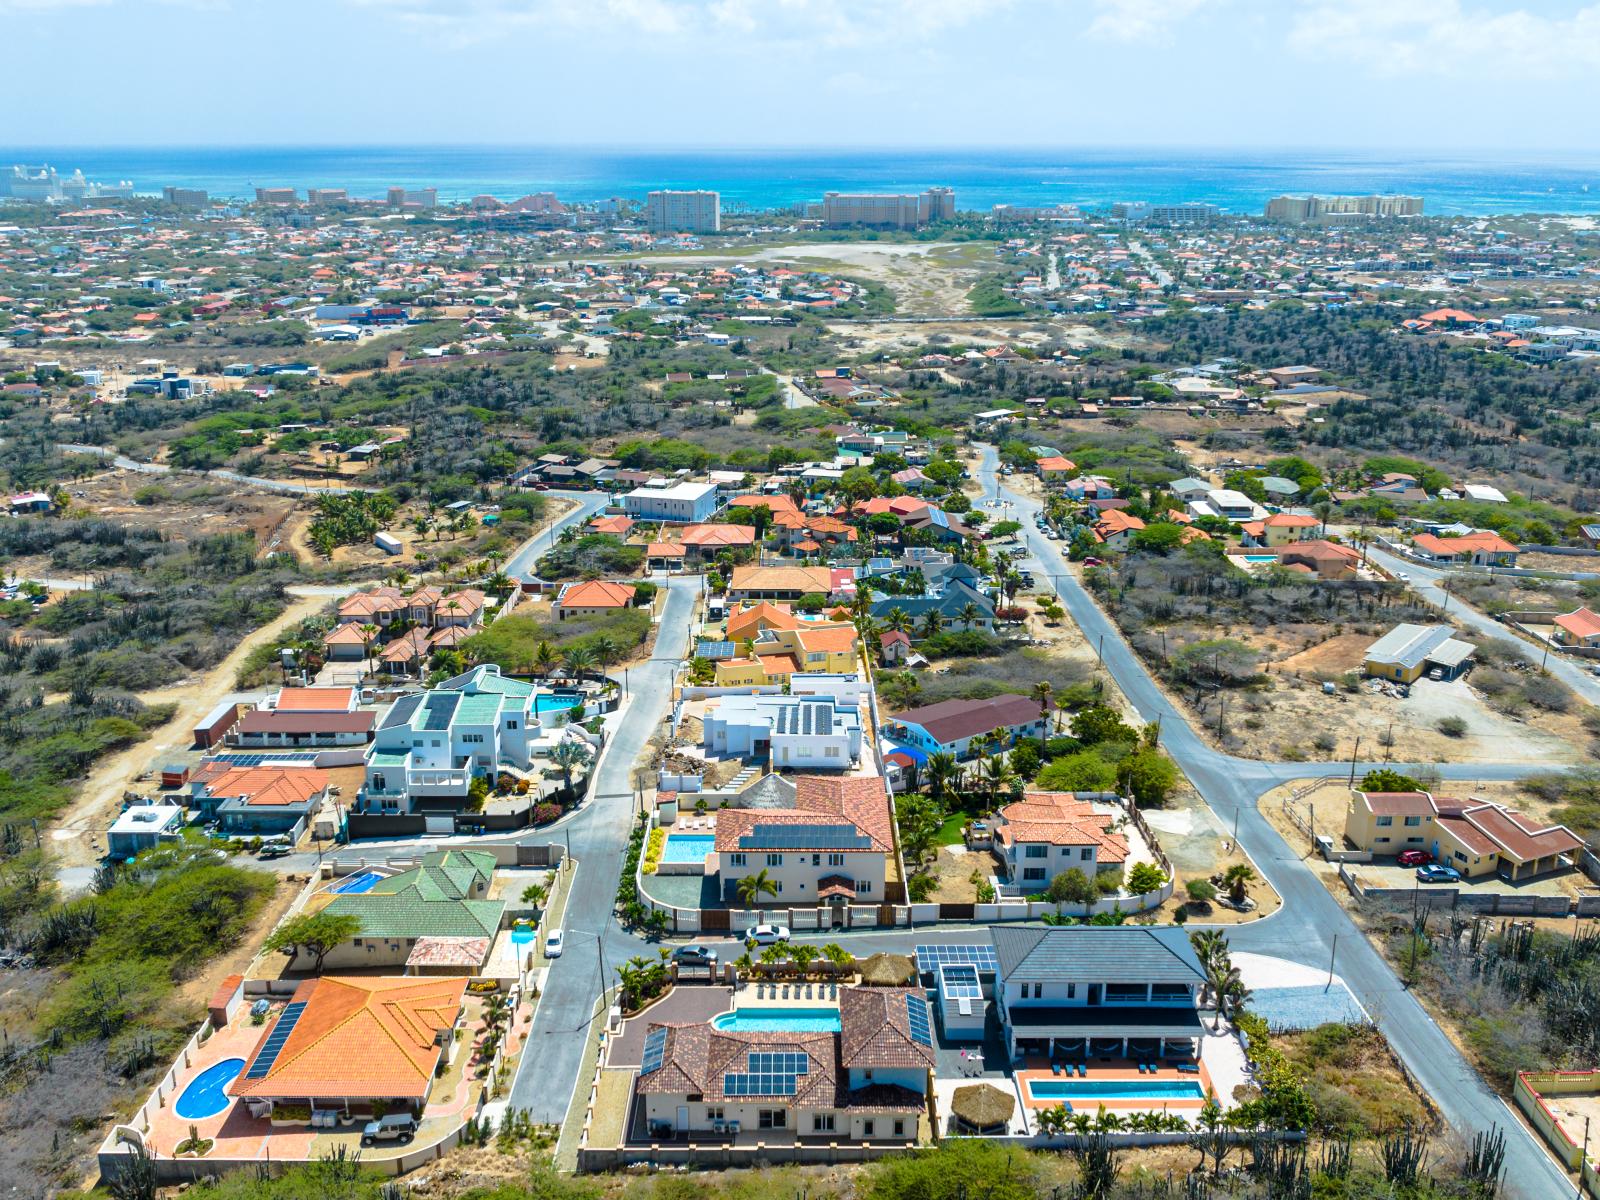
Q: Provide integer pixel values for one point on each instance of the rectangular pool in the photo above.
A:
(1261, 558)
(780, 1020)
(688, 847)
(1116, 1089)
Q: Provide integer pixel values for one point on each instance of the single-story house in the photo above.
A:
(1484, 548)
(1407, 651)
(962, 727)
(1580, 627)
(592, 596)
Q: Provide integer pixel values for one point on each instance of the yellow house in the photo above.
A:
(1407, 651)
(775, 654)
(1478, 839)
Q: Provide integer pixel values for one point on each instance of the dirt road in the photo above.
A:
(79, 835)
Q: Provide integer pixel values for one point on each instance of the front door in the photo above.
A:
(683, 1118)
(1095, 992)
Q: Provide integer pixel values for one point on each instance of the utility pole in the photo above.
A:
(1332, 954)
(1583, 1162)
(1353, 754)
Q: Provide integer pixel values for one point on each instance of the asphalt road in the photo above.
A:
(1427, 582)
(521, 563)
(548, 1071)
(1311, 927)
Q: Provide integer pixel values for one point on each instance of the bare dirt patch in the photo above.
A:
(180, 507)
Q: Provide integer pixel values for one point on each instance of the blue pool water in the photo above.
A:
(555, 701)
(521, 935)
(780, 1020)
(1116, 1089)
(207, 1093)
(1261, 558)
(688, 847)
(352, 884)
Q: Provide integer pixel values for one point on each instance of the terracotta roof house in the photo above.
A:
(1580, 627)
(1047, 833)
(1324, 559)
(838, 838)
(346, 643)
(592, 596)
(664, 556)
(617, 526)
(1280, 529)
(866, 1082)
(1477, 838)
(1053, 466)
(407, 652)
(706, 541)
(263, 800)
(314, 699)
(962, 727)
(1482, 548)
(779, 583)
(1115, 529)
(749, 622)
(344, 1040)
(267, 729)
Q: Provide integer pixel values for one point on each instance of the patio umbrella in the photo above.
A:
(889, 970)
(982, 1105)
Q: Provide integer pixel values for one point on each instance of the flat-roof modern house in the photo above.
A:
(143, 827)
(1083, 991)
(961, 727)
(680, 504)
(1407, 651)
(345, 1042)
(1477, 838)
(809, 732)
(833, 847)
(867, 1082)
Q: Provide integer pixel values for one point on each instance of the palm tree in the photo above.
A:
(1042, 691)
(578, 660)
(544, 657)
(970, 614)
(567, 755)
(1063, 707)
(838, 955)
(369, 634)
(605, 651)
(1237, 879)
(940, 771)
(932, 623)
(1324, 510)
(752, 887)
(898, 620)
(998, 775)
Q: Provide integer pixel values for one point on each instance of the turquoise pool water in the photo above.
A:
(1261, 558)
(780, 1020)
(521, 935)
(1116, 1089)
(207, 1093)
(688, 847)
(555, 701)
(351, 885)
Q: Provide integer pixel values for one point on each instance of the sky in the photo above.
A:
(1441, 74)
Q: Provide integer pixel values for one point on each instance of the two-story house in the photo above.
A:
(833, 846)
(1047, 833)
(1085, 991)
(963, 727)
(776, 654)
(809, 732)
(1477, 838)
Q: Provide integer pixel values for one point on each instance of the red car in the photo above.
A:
(1414, 858)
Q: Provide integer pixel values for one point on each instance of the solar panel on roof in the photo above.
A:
(931, 958)
(273, 1046)
(765, 1062)
(280, 759)
(655, 1051)
(959, 981)
(760, 1085)
(917, 1015)
(822, 837)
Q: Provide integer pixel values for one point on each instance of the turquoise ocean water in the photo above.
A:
(1240, 181)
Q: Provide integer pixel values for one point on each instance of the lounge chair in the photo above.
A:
(1055, 1068)
(1083, 1070)
(1189, 1068)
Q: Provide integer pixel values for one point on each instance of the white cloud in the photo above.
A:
(1140, 20)
(1447, 37)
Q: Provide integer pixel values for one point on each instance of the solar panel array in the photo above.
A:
(655, 1051)
(931, 958)
(273, 1046)
(809, 837)
(279, 759)
(768, 1073)
(440, 706)
(804, 719)
(917, 1014)
(958, 981)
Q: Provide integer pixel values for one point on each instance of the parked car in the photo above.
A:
(1414, 858)
(554, 943)
(694, 956)
(767, 935)
(1438, 873)
(394, 1127)
(272, 850)
(1091, 562)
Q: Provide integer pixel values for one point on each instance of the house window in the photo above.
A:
(714, 1112)
(1413, 821)
(1460, 857)
(1086, 854)
(1072, 991)
(1033, 873)
(899, 1128)
(868, 1128)
(472, 738)
(830, 752)
(511, 724)
(737, 860)
(836, 860)
(772, 1118)
(822, 1123)
(1382, 839)
(864, 886)
(1170, 991)
(1035, 851)
(774, 860)
(1383, 821)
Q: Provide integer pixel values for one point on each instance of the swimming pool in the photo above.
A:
(352, 884)
(521, 935)
(1116, 1089)
(780, 1020)
(556, 701)
(688, 847)
(207, 1093)
(1261, 558)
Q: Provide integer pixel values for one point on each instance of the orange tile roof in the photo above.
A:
(361, 1038)
(269, 786)
(597, 593)
(776, 504)
(1580, 622)
(316, 699)
(747, 622)
(832, 638)
(663, 550)
(718, 535)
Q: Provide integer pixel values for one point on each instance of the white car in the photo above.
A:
(767, 935)
(554, 943)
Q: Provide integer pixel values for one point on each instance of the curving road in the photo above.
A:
(1311, 926)
(548, 1071)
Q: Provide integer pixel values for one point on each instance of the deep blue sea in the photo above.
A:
(1238, 180)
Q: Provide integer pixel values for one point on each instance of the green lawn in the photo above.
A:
(950, 832)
